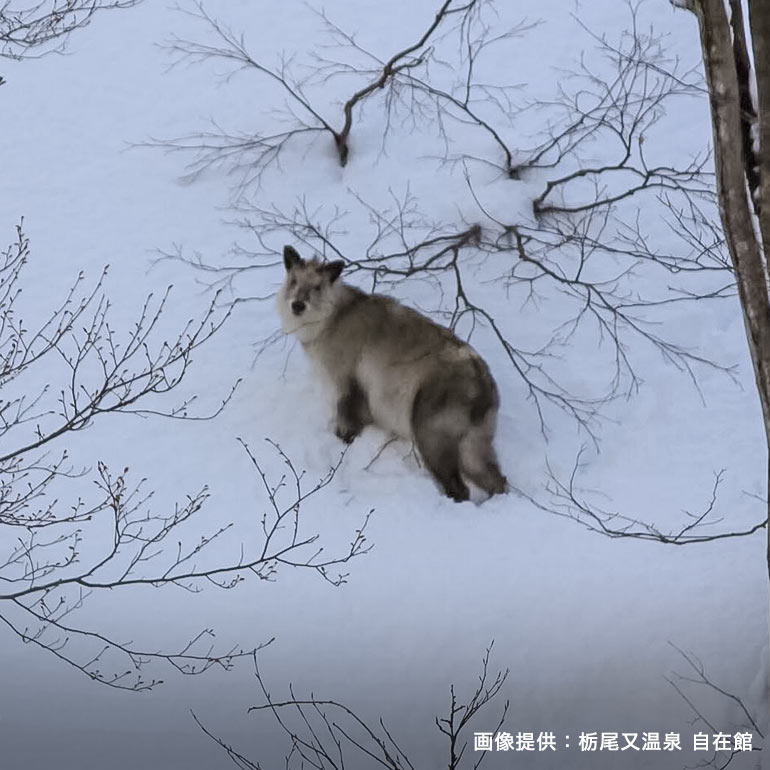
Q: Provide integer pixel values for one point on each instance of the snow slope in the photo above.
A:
(584, 623)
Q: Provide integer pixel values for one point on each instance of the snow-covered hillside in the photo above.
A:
(588, 625)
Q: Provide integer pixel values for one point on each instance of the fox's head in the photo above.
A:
(308, 295)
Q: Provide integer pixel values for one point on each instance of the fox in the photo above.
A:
(392, 367)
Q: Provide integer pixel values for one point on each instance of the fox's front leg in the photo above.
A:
(352, 411)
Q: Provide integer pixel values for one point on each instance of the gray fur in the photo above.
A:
(391, 366)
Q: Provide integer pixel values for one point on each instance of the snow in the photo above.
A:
(585, 623)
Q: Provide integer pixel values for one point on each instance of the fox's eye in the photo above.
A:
(317, 288)
(292, 283)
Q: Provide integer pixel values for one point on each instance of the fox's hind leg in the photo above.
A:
(352, 411)
(442, 458)
(478, 462)
(437, 439)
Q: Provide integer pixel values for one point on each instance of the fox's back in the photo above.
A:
(393, 350)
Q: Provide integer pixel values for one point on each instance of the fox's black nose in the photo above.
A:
(297, 307)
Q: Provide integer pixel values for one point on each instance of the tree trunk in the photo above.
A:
(759, 19)
(747, 250)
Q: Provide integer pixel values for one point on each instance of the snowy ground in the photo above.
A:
(584, 623)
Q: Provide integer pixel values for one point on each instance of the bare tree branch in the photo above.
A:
(329, 735)
(742, 720)
(29, 31)
(57, 378)
(248, 155)
(567, 498)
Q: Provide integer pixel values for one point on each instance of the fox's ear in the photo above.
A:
(291, 258)
(333, 269)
